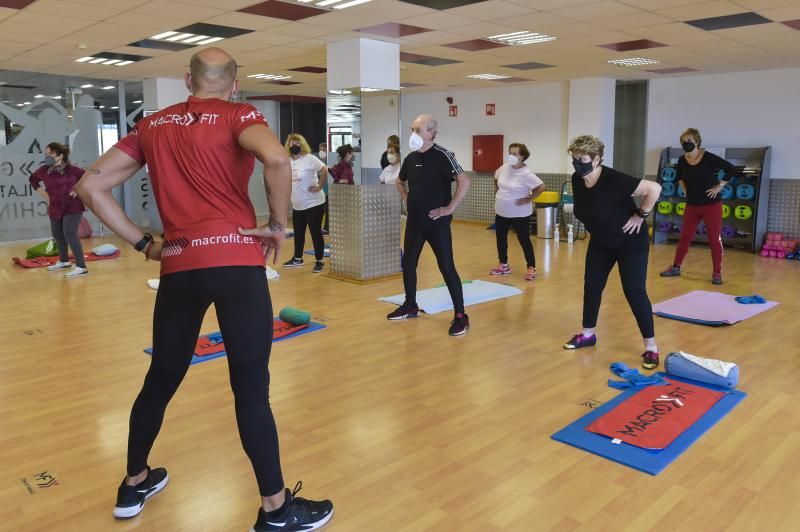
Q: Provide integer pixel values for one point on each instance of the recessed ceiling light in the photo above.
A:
(123, 63)
(339, 91)
(270, 77)
(487, 76)
(55, 97)
(98, 60)
(136, 101)
(108, 87)
(39, 96)
(634, 61)
(102, 107)
(108, 58)
(519, 38)
(350, 4)
(84, 59)
(115, 107)
(370, 89)
(3, 82)
(87, 86)
(26, 103)
(20, 104)
(164, 35)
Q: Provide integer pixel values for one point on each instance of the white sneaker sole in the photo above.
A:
(315, 526)
(133, 511)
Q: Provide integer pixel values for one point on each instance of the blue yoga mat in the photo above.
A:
(647, 461)
(313, 326)
(435, 300)
(327, 252)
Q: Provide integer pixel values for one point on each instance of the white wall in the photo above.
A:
(535, 115)
(746, 109)
(380, 118)
(271, 111)
(591, 111)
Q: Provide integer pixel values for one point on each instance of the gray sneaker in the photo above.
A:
(672, 271)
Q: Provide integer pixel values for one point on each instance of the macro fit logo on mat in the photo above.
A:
(653, 417)
(173, 247)
(188, 119)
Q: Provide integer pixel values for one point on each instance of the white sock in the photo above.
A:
(588, 332)
(650, 345)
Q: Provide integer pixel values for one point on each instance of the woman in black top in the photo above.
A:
(604, 203)
(698, 174)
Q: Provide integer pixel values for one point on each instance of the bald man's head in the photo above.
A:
(212, 70)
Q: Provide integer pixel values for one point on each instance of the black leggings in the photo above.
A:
(441, 241)
(65, 231)
(311, 218)
(522, 227)
(244, 312)
(632, 263)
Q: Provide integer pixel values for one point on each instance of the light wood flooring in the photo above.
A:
(403, 427)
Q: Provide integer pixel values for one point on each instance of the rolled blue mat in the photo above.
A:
(676, 365)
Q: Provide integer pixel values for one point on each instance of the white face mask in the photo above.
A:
(513, 160)
(392, 158)
(415, 142)
(323, 155)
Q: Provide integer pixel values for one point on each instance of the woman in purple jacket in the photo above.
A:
(64, 207)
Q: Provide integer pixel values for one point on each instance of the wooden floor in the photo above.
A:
(403, 427)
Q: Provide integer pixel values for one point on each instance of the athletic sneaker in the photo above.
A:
(131, 499)
(531, 275)
(293, 263)
(76, 271)
(500, 269)
(579, 340)
(459, 326)
(672, 271)
(403, 311)
(716, 278)
(650, 360)
(318, 267)
(59, 266)
(298, 514)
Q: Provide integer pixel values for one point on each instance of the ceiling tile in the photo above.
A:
(491, 10)
(597, 10)
(512, 79)
(634, 21)
(310, 69)
(673, 70)
(229, 4)
(434, 61)
(782, 13)
(284, 10)
(701, 10)
(393, 29)
(72, 10)
(475, 45)
(795, 24)
(15, 4)
(626, 46)
(245, 20)
(529, 66)
(438, 20)
(442, 4)
(729, 21)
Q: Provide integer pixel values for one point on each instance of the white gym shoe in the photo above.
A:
(59, 266)
(76, 271)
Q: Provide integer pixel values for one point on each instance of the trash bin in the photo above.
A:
(546, 205)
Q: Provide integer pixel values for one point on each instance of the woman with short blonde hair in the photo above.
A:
(308, 200)
(604, 203)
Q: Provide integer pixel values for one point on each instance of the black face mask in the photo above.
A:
(295, 150)
(581, 167)
(688, 146)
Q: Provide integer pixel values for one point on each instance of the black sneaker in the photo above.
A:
(459, 325)
(130, 499)
(300, 514)
(403, 311)
(579, 340)
(650, 359)
(672, 271)
(293, 263)
(318, 267)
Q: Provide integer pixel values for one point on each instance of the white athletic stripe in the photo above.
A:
(450, 157)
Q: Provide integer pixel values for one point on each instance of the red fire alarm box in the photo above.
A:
(487, 153)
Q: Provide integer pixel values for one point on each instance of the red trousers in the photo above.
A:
(712, 216)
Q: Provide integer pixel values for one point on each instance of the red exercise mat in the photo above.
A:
(212, 344)
(655, 416)
(39, 262)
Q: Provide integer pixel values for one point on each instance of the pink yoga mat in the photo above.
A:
(710, 307)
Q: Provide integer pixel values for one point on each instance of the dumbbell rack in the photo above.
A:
(752, 167)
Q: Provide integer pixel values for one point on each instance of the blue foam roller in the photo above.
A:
(675, 364)
(668, 174)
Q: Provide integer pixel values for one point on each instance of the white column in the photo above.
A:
(591, 111)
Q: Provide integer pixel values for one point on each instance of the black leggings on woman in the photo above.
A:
(244, 311)
(632, 261)
(65, 231)
(522, 227)
(311, 218)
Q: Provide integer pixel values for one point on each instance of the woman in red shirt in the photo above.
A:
(343, 171)
(64, 207)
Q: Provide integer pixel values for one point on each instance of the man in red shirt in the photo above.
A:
(200, 155)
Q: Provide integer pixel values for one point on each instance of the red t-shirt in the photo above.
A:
(200, 175)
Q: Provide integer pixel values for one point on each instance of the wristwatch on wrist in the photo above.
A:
(141, 244)
(641, 213)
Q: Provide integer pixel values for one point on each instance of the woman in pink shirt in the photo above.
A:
(64, 207)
